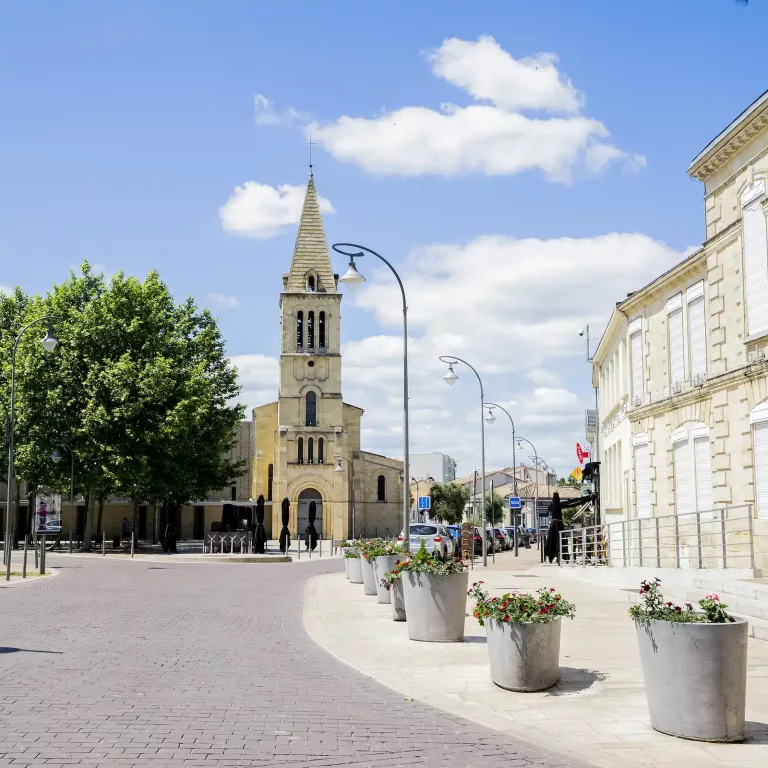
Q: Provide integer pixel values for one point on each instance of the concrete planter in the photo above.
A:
(435, 606)
(381, 565)
(344, 550)
(398, 602)
(695, 678)
(355, 570)
(369, 576)
(524, 657)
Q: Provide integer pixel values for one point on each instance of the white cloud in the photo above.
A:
(261, 211)
(544, 377)
(266, 114)
(258, 375)
(6, 289)
(490, 138)
(221, 302)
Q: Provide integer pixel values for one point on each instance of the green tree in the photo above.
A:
(448, 502)
(494, 509)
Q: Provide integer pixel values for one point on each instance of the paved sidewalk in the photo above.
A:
(597, 711)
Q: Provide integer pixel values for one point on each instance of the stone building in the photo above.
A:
(682, 369)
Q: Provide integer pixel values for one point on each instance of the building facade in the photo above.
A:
(688, 353)
(440, 467)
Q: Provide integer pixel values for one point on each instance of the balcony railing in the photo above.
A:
(716, 538)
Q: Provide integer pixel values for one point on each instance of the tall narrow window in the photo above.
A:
(753, 235)
(382, 488)
(311, 283)
(270, 478)
(299, 329)
(320, 451)
(697, 331)
(300, 456)
(676, 345)
(310, 451)
(685, 484)
(759, 421)
(311, 406)
(636, 343)
(321, 330)
(311, 330)
(702, 461)
(642, 480)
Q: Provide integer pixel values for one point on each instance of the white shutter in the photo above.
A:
(684, 485)
(753, 231)
(637, 364)
(761, 468)
(697, 336)
(676, 349)
(703, 462)
(643, 480)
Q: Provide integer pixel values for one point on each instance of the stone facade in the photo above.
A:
(693, 373)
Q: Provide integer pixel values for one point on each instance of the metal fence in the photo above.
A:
(717, 538)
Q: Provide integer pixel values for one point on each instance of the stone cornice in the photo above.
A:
(731, 140)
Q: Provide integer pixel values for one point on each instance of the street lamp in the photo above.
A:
(56, 457)
(353, 279)
(340, 468)
(536, 482)
(451, 378)
(49, 342)
(490, 418)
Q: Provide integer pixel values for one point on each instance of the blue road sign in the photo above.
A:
(425, 502)
(514, 502)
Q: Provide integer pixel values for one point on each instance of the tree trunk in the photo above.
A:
(88, 532)
(100, 519)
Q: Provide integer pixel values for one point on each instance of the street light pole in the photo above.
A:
(353, 278)
(340, 468)
(450, 378)
(49, 342)
(536, 485)
(490, 418)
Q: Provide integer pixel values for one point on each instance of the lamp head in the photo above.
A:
(581, 332)
(49, 341)
(352, 278)
(56, 456)
(338, 467)
(490, 418)
(450, 378)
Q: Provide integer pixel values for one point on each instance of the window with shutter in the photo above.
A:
(684, 481)
(697, 337)
(676, 350)
(637, 364)
(761, 468)
(643, 480)
(703, 466)
(755, 239)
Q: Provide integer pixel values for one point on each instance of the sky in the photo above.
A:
(522, 165)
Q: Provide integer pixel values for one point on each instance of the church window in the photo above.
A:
(300, 457)
(311, 330)
(382, 489)
(320, 450)
(311, 283)
(310, 451)
(270, 478)
(299, 329)
(321, 330)
(311, 403)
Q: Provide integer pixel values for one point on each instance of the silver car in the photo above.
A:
(437, 539)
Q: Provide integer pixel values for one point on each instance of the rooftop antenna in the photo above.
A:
(311, 144)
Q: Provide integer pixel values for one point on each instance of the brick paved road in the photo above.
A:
(162, 664)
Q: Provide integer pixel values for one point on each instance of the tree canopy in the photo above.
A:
(448, 502)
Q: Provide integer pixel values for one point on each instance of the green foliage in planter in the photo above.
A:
(380, 548)
(654, 607)
(520, 607)
(423, 562)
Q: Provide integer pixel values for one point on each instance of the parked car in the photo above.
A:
(510, 537)
(501, 539)
(509, 530)
(491, 545)
(437, 539)
(455, 531)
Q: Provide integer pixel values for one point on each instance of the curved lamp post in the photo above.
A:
(340, 468)
(352, 279)
(49, 342)
(451, 378)
(490, 418)
(536, 479)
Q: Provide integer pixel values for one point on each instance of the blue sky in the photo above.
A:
(127, 126)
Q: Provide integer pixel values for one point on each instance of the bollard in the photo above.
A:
(35, 542)
(298, 549)
(309, 546)
(103, 544)
(321, 546)
(24, 566)
(42, 555)
(132, 539)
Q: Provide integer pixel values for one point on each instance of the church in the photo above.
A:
(306, 444)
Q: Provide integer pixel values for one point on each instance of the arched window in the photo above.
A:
(299, 329)
(310, 451)
(270, 477)
(300, 457)
(320, 447)
(311, 283)
(321, 330)
(382, 489)
(311, 403)
(311, 330)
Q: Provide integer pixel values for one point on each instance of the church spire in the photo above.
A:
(310, 254)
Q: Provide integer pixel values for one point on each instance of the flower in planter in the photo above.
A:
(380, 548)
(519, 607)
(654, 607)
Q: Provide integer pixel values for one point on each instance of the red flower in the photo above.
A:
(669, 604)
(678, 608)
(506, 618)
(552, 589)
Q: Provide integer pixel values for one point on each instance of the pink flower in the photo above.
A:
(712, 596)
(669, 604)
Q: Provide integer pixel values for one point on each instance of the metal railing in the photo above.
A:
(716, 538)
(228, 543)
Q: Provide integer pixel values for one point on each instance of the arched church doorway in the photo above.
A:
(305, 497)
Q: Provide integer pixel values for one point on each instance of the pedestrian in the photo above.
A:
(555, 526)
